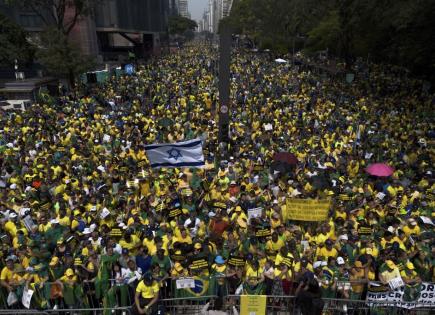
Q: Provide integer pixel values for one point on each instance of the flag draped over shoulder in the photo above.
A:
(180, 154)
(102, 282)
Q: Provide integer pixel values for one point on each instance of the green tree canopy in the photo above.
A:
(398, 32)
(60, 14)
(60, 56)
(55, 51)
(14, 44)
(178, 25)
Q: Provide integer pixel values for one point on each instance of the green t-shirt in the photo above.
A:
(165, 263)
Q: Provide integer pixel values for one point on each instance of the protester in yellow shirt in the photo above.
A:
(183, 238)
(131, 242)
(273, 246)
(390, 273)
(147, 295)
(7, 274)
(69, 277)
(409, 275)
(411, 228)
(327, 250)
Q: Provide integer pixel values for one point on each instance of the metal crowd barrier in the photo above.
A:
(286, 305)
(190, 305)
(71, 311)
(218, 299)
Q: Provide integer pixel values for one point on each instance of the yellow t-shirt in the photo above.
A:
(327, 253)
(11, 228)
(297, 267)
(66, 279)
(151, 245)
(180, 239)
(389, 275)
(251, 273)
(65, 221)
(408, 231)
(148, 292)
(6, 274)
(219, 269)
(407, 276)
(36, 278)
(272, 246)
(277, 272)
(321, 238)
(134, 242)
(44, 228)
(279, 258)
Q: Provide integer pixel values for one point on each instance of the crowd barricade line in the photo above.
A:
(44, 300)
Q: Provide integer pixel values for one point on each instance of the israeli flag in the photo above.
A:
(180, 154)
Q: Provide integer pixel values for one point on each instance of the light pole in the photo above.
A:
(224, 84)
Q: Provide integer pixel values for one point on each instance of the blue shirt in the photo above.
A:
(143, 263)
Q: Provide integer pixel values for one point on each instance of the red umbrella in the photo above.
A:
(285, 157)
(380, 170)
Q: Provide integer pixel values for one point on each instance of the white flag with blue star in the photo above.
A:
(179, 154)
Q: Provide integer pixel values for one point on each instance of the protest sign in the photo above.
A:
(365, 230)
(236, 261)
(185, 283)
(396, 283)
(254, 213)
(307, 209)
(198, 263)
(407, 296)
(263, 232)
(27, 297)
(253, 305)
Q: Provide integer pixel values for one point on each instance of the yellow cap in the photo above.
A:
(178, 267)
(54, 261)
(390, 264)
(69, 272)
(197, 246)
(410, 266)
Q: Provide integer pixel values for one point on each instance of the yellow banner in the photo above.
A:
(307, 209)
(253, 305)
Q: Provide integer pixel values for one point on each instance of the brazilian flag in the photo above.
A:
(204, 286)
(258, 289)
(102, 283)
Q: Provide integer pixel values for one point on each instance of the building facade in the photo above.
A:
(183, 8)
(216, 11)
(113, 28)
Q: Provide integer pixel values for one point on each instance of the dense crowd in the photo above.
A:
(82, 209)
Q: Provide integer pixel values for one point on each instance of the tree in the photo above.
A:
(396, 32)
(57, 53)
(179, 25)
(14, 44)
(62, 57)
(60, 14)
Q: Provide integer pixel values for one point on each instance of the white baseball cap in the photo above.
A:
(317, 264)
(340, 261)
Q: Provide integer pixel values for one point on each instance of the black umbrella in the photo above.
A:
(282, 167)
(320, 182)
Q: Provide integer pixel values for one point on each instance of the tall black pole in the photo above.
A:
(224, 85)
